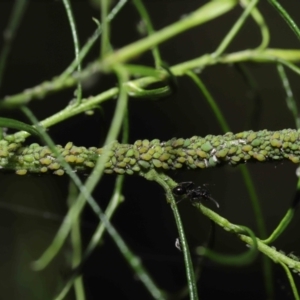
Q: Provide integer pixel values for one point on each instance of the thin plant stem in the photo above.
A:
(235, 29)
(167, 183)
(76, 244)
(285, 15)
(145, 18)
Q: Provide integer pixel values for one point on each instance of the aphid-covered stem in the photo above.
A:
(143, 155)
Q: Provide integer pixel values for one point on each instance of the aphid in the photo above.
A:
(195, 193)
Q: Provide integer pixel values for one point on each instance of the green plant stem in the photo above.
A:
(235, 29)
(291, 281)
(167, 183)
(233, 260)
(145, 18)
(207, 12)
(271, 252)
(76, 244)
(286, 220)
(105, 44)
(290, 99)
(76, 45)
(287, 18)
(59, 83)
(91, 41)
(258, 18)
(113, 204)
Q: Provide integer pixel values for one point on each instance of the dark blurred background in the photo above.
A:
(42, 49)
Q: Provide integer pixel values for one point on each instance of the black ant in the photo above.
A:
(193, 192)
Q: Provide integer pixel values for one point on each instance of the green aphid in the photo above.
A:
(294, 147)
(235, 158)
(129, 172)
(65, 152)
(126, 159)
(119, 171)
(275, 143)
(45, 161)
(132, 161)
(136, 168)
(145, 143)
(293, 137)
(212, 162)
(59, 172)
(256, 142)
(144, 164)
(151, 151)
(121, 164)
(70, 158)
(186, 143)
(178, 143)
(28, 158)
(155, 142)
(3, 153)
(259, 157)
(178, 165)
(75, 150)
(43, 169)
(120, 157)
(120, 152)
(146, 157)
(34, 145)
(89, 164)
(79, 160)
(143, 149)
(247, 148)
(156, 155)
(165, 166)
(21, 172)
(13, 146)
(190, 160)
(202, 154)
(54, 166)
(9, 138)
(69, 145)
(222, 153)
(247, 157)
(206, 147)
(232, 150)
(164, 157)
(181, 160)
(36, 155)
(285, 145)
(251, 137)
(239, 135)
(138, 143)
(276, 135)
(129, 153)
(201, 164)
(157, 163)
(191, 152)
(45, 151)
(294, 159)
(158, 149)
(108, 171)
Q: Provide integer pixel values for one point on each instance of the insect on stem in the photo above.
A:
(195, 193)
